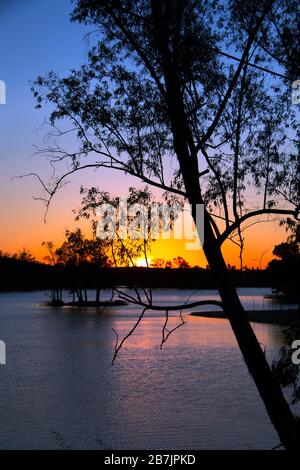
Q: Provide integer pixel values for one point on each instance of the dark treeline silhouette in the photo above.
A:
(285, 269)
(177, 262)
(22, 275)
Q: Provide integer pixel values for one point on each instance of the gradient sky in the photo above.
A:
(37, 36)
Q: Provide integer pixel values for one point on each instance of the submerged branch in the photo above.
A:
(118, 344)
(166, 332)
(149, 306)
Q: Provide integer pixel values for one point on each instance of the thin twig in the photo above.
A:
(118, 344)
(169, 332)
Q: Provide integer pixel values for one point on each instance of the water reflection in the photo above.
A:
(59, 389)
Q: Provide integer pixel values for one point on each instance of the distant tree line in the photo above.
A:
(22, 272)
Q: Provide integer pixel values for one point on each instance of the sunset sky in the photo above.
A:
(37, 36)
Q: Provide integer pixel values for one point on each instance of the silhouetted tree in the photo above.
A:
(285, 270)
(180, 262)
(123, 251)
(169, 264)
(160, 83)
(78, 252)
(158, 263)
(287, 251)
(24, 255)
(285, 370)
(51, 258)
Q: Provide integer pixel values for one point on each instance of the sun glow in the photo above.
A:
(142, 262)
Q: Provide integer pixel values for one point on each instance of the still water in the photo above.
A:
(59, 390)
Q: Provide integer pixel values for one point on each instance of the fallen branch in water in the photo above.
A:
(150, 306)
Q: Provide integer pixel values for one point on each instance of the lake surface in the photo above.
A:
(59, 390)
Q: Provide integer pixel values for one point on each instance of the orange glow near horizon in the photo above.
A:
(259, 243)
(22, 225)
(142, 262)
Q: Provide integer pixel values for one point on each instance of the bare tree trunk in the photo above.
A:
(97, 296)
(269, 389)
(79, 295)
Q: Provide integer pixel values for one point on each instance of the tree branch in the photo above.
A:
(169, 307)
(52, 192)
(118, 344)
(258, 67)
(256, 213)
(136, 46)
(234, 79)
(165, 332)
(217, 176)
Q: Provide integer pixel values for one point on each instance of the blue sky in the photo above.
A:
(35, 36)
